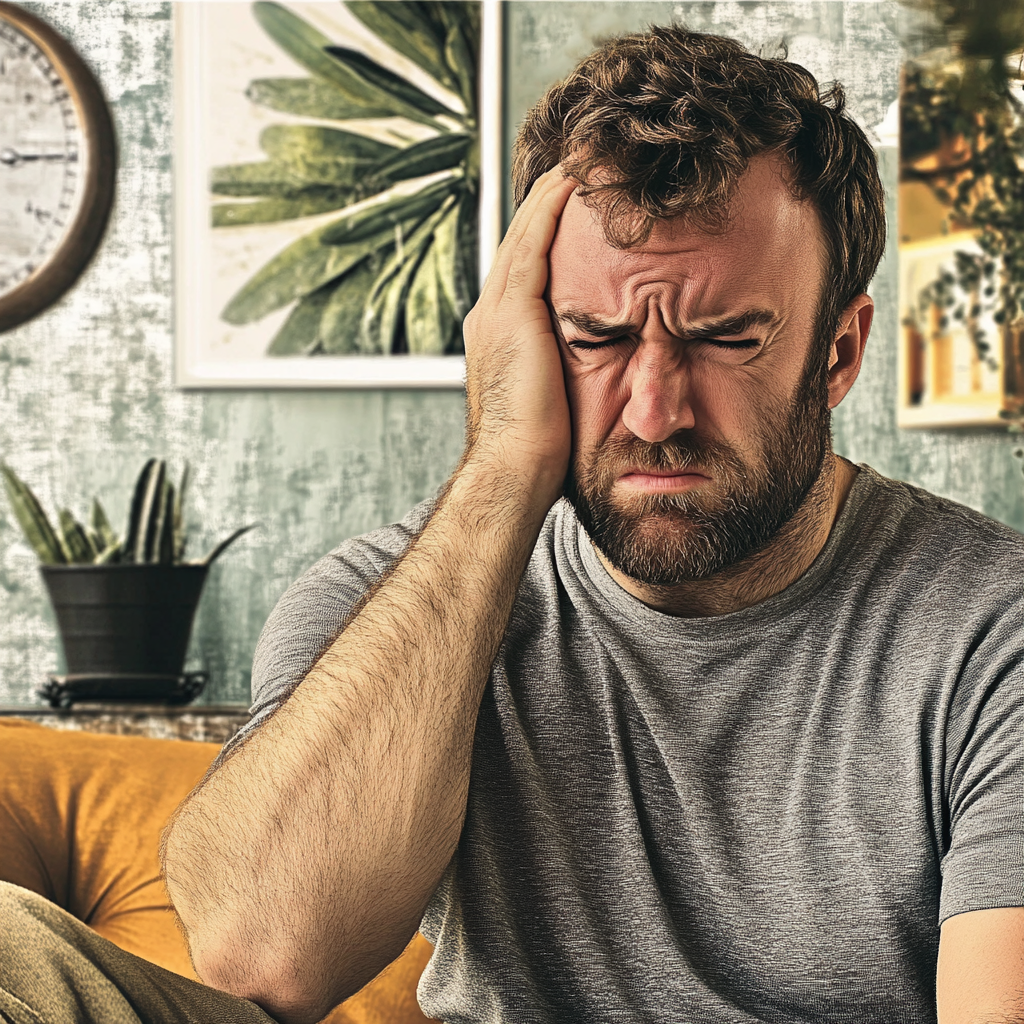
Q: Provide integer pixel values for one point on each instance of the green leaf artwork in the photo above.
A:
(393, 272)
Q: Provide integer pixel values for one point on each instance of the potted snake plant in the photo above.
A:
(124, 605)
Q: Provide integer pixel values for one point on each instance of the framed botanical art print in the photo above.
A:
(338, 189)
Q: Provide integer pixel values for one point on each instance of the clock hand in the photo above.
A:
(12, 157)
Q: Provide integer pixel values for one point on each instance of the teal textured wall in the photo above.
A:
(86, 390)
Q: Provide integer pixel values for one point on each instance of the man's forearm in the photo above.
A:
(304, 864)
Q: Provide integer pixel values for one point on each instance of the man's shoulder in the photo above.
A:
(902, 520)
(313, 610)
(373, 553)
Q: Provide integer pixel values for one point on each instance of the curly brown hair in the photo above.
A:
(670, 118)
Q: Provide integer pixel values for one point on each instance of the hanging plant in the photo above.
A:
(395, 272)
(962, 135)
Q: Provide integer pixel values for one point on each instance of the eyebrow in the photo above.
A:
(738, 323)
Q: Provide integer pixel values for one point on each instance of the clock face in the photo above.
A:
(40, 143)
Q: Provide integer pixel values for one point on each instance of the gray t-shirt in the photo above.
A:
(761, 816)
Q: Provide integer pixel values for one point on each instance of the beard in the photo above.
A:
(666, 539)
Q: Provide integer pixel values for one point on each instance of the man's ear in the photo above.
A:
(847, 350)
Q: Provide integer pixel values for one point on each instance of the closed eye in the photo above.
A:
(742, 343)
(590, 346)
(739, 345)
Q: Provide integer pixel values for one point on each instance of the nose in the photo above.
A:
(660, 398)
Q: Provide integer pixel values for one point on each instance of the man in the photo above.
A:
(724, 736)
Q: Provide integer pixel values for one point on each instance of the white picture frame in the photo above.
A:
(218, 47)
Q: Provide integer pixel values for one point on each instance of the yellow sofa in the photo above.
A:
(80, 822)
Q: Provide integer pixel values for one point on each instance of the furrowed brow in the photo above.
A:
(593, 325)
(722, 327)
(727, 326)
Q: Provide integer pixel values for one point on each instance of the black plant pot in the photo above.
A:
(125, 629)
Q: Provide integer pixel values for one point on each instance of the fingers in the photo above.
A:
(523, 252)
(518, 411)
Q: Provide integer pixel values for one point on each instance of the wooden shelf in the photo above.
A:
(209, 723)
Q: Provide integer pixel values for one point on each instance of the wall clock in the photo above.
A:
(57, 165)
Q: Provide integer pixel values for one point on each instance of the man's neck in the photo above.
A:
(769, 571)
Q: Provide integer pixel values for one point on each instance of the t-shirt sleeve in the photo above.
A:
(983, 866)
(313, 611)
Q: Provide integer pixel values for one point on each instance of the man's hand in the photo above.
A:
(518, 411)
(302, 866)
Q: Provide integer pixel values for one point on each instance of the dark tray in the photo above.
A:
(63, 691)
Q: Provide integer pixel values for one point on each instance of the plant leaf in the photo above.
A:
(151, 514)
(110, 555)
(131, 536)
(382, 316)
(95, 540)
(326, 158)
(462, 61)
(428, 157)
(303, 143)
(99, 523)
(32, 519)
(410, 246)
(313, 170)
(469, 14)
(74, 541)
(339, 327)
(303, 161)
(454, 12)
(143, 511)
(222, 546)
(163, 550)
(405, 28)
(401, 90)
(467, 246)
(382, 311)
(180, 539)
(309, 97)
(266, 211)
(308, 47)
(391, 210)
(445, 254)
(297, 270)
(260, 178)
(298, 334)
(428, 319)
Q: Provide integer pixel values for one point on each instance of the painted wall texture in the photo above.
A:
(86, 392)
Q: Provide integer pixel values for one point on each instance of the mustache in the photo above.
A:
(675, 454)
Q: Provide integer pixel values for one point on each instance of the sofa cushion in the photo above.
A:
(81, 816)
(80, 822)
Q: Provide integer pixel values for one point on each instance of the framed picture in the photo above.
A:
(961, 244)
(338, 190)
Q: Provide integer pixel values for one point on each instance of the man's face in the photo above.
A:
(698, 396)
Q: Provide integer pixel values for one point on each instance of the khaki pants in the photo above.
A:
(55, 970)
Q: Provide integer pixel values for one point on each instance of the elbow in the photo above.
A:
(295, 985)
(233, 949)
(271, 981)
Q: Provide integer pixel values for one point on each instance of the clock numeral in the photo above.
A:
(41, 214)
